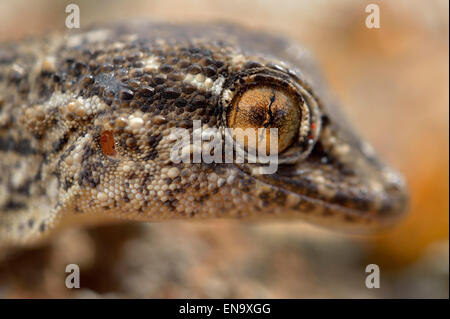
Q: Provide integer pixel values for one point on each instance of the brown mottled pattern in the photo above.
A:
(139, 81)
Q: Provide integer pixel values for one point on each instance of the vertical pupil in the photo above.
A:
(266, 107)
(107, 143)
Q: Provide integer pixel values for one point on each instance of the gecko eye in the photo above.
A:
(107, 143)
(260, 109)
(266, 105)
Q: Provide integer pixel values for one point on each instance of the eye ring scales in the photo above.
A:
(267, 99)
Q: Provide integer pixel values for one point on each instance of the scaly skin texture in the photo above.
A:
(137, 82)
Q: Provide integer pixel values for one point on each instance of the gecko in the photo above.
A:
(87, 120)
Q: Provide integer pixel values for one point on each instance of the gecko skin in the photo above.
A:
(86, 120)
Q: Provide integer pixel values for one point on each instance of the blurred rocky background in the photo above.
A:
(393, 84)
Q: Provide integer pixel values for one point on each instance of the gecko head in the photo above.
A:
(166, 121)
